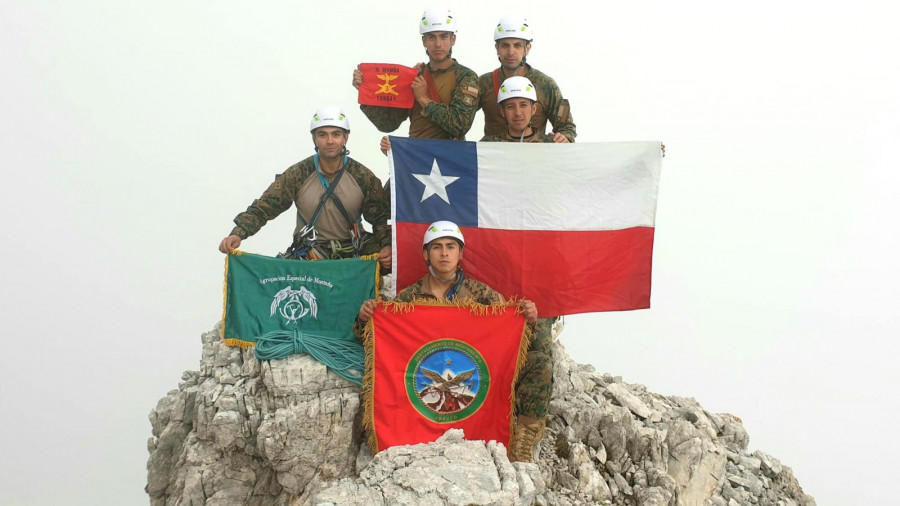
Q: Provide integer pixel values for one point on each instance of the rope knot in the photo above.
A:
(297, 340)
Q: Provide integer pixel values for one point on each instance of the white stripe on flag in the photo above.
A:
(593, 186)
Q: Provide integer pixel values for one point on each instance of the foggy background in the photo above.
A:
(133, 132)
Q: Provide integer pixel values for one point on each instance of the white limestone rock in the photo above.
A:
(288, 432)
(627, 399)
(449, 471)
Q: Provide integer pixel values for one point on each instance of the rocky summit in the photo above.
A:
(289, 432)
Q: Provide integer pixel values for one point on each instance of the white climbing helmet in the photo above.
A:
(437, 20)
(516, 86)
(513, 27)
(329, 116)
(440, 229)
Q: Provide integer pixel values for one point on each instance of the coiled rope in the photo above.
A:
(346, 357)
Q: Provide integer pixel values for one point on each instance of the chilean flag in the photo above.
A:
(569, 226)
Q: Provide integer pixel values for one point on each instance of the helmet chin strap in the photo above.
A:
(449, 56)
(435, 276)
(521, 137)
(516, 71)
(499, 59)
(344, 150)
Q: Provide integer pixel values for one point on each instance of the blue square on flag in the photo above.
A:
(435, 180)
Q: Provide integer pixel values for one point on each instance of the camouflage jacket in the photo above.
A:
(359, 190)
(449, 118)
(534, 137)
(550, 105)
(469, 288)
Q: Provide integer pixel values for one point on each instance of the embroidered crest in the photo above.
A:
(447, 380)
(294, 304)
(386, 87)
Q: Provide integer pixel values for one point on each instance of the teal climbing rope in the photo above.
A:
(346, 357)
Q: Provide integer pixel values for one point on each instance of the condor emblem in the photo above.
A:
(294, 304)
(447, 381)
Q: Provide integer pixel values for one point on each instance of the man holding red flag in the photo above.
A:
(446, 93)
(442, 249)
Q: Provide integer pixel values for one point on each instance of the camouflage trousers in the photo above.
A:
(536, 377)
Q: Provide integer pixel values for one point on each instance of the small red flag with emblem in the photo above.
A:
(430, 368)
(387, 85)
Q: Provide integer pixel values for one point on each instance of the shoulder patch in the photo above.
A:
(470, 95)
(563, 111)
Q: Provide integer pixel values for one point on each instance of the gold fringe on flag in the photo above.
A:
(368, 338)
(224, 298)
(230, 341)
(368, 385)
(237, 342)
(225, 293)
(524, 345)
(374, 256)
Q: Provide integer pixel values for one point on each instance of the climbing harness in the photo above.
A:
(306, 244)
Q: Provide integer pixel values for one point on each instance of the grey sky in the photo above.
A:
(133, 132)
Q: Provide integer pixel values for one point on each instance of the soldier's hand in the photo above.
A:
(420, 90)
(367, 310)
(229, 244)
(385, 145)
(560, 138)
(385, 256)
(529, 310)
(357, 78)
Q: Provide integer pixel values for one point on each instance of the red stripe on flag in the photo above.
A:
(563, 272)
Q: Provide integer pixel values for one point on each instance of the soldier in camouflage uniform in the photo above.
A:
(337, 231)
(517, 104)
(443, 249)
(446, 92)
(512, 40)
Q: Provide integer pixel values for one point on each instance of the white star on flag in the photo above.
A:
(435, 183)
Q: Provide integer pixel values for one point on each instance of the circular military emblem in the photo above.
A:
(294, 304)
(447, 380)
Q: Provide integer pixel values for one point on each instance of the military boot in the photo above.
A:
(527, 433)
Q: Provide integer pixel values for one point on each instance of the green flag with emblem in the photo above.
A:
(286, 306)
